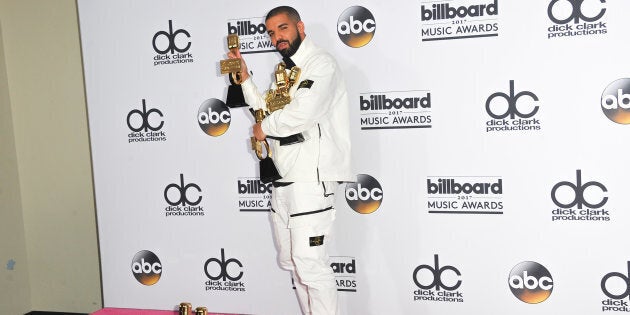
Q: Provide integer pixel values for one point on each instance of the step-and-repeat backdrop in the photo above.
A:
(489, 145)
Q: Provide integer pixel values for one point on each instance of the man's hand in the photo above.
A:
(258, 132)
(236, 53)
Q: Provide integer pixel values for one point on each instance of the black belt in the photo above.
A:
(281, 184)
(306, 213)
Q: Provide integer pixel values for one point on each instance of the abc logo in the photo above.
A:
(530, 282)
(616, 101)
(146, 267)
(214, 117)
(563, 11)
(356, 26)
(437, 276)
(511, 110)
(365, 195)
(222, 268)
(170, 41)
(145, 120)
(578, 192)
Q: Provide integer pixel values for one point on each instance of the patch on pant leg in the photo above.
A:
(316, 240)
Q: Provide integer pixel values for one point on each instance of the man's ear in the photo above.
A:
(300, 27)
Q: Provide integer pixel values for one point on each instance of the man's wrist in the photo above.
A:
(244, 76)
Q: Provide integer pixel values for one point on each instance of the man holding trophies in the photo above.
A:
(306, 124)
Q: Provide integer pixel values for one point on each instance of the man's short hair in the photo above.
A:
(291, 12)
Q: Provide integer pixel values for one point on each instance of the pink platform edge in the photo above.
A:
(129, 311)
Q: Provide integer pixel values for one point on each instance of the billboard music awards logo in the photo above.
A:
(224, 274)
(365, 195)
(465, 194)
(183, 199)
(172, 46)
(578, 201)
(395, 110)
(345, 270)
(214, 117)
(253, 195)
(512, 112)
(146, 267)
(572, 18)
(530, 282)
(252, 34)
(356, 26)
(145, 125)
(458, 19)
(616, 286)
(437, 284)
(615, 101)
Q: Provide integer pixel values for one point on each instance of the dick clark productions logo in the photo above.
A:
(172, 46)
(183, 199)
(224, 274)
(519, 113)
(616, 286)
(437, 283)
(145, 124)
(576, 18)
(579, 200)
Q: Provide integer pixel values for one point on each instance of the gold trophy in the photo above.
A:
(185, 308)
(235, 96)
(275, 100)
(279, 98)
(268, 170)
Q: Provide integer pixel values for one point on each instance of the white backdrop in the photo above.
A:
(508, 157)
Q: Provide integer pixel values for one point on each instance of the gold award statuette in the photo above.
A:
(268, 170)
(259, 115)
(280, 97)
(185, 308)
(201, 310)
(232, 67)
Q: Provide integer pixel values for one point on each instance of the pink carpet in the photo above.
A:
(129, 311)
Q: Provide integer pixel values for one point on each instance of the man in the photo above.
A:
(303, 199)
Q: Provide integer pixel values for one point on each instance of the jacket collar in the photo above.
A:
(300, 56)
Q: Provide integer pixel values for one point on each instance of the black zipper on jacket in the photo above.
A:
(319, 129)
(311, 212)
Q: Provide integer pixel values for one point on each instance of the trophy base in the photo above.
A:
(268, 171)
(235, 97)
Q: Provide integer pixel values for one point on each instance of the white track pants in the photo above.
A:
(302, 216)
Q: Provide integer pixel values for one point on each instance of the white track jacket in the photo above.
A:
(318, 110)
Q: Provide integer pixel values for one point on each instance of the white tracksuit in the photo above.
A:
(303, 211)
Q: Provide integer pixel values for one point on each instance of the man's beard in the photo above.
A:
(293, 47)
